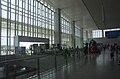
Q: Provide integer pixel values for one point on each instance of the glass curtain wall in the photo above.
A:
(77, 36)
(66, 31)
(97, 33)
(34, 18)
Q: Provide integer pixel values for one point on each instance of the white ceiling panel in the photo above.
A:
(102, 14)
(75, 10)
(106, 17)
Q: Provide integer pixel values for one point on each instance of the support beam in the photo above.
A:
(57, 35)
(90, 34)
(81, 35)
(73, 33)
(0, 24)
(102, 33)
(86, 36)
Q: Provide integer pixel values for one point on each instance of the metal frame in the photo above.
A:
(18, 19)
(35, 19)
(22, 20)
(20, 11)
(28, 19)
(0, 24)
(7, 24)
(9, 36)
(65, 29)
(55, 61)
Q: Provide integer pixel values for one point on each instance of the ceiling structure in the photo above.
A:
(91, 14)
(75, 10)
(106, 13)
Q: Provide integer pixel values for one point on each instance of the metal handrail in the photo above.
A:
(6, 61)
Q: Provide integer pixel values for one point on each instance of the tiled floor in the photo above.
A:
(91, 67)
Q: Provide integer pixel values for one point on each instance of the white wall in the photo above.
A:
(108, 40)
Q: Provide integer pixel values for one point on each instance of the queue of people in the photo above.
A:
(114, 51)
(92, 48)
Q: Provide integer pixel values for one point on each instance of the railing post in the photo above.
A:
(79, 53)
(66, 61)
(38, 67)
(74, 55)
(6, 71)
(14, 77)
(55, 62)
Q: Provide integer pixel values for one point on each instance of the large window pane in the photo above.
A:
(22, 18)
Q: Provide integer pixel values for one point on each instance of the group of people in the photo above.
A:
(91, 48)
(114, 51)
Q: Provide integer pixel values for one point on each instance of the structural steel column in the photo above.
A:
(86, 35)
(0, 25)
(57, 34)
(81, 33)
(102, 33)
(73, 33)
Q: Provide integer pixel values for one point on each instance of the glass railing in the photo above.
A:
(27, 67)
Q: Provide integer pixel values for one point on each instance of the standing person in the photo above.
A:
(116, 52)
(66, 54)
(77, 50)
(112, 52)
(108, 46)
(86, 49)
(104, 47)
(119, 55)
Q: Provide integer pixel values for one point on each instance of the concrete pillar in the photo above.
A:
(0, 25)
(73, 33)
(90, 34)
(16, 41)
(86, 36)
(102, 33)
(57, 35)
(81, 35)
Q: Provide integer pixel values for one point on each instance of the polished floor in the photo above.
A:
(90, 67)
